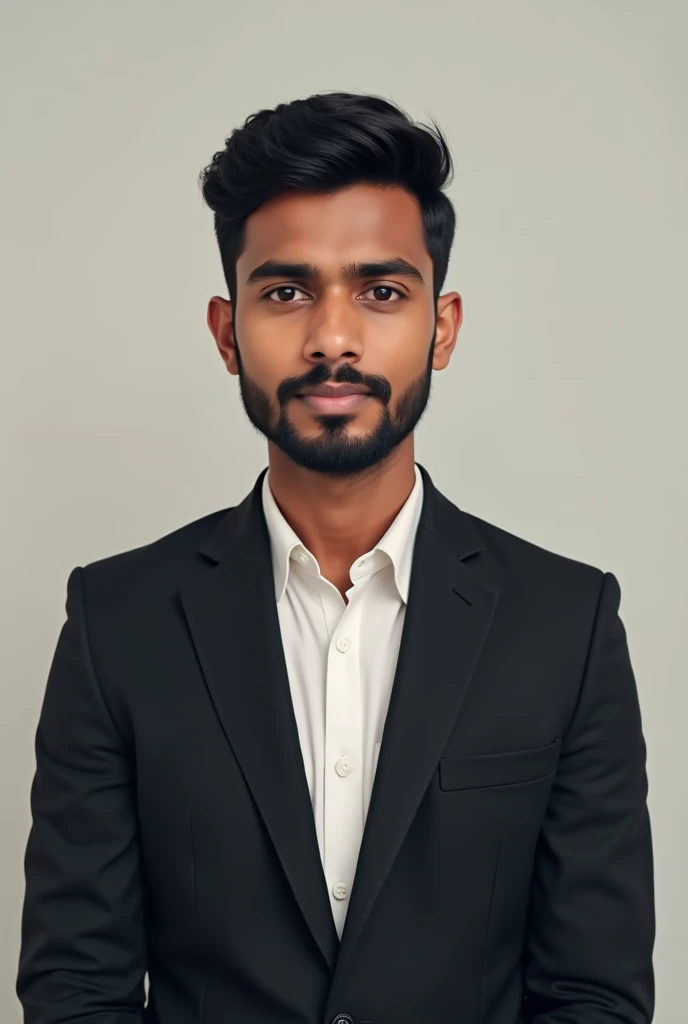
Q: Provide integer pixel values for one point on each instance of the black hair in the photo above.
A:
(325, 143)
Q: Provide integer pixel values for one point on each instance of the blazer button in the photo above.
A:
(342, 1018)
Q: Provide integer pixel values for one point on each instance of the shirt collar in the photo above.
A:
(395, 547)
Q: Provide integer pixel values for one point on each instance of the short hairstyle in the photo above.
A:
(326, 143)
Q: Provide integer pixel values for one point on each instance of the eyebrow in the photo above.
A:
(354, 271)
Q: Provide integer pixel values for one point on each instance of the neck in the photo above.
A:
(340, 518)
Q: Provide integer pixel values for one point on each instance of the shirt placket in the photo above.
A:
(343, 785)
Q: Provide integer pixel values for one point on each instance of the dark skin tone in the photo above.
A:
(339, 480)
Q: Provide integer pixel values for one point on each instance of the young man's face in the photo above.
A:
(335, 321)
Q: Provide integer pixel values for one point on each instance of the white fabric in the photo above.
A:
(341, 659)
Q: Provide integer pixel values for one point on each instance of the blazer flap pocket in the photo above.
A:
(476, 771)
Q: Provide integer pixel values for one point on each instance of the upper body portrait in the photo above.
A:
(345, 752)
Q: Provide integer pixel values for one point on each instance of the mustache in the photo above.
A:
(378, 385)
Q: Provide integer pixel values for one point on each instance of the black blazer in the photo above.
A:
(505, 874)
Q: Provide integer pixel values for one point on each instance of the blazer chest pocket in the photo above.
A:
(512, 768)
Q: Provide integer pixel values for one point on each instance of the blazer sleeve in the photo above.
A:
(82, 954)
(591, 924)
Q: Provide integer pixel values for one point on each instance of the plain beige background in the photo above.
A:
(561, 416)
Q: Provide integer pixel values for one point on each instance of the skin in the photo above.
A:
(339, 480)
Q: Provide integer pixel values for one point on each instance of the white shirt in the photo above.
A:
(341, 660)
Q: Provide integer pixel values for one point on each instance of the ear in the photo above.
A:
(220, 322)
(449, 320)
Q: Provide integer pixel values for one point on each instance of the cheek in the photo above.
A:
(265, 356)
(410, 365)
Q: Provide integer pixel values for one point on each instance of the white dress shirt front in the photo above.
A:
(341, 660)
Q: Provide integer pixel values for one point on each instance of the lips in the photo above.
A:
(334, 398)
(340, 404)
(334, 390)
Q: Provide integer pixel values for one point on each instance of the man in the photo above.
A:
(343, 752)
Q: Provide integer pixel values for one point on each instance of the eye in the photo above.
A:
(283, 288)
(386, 288)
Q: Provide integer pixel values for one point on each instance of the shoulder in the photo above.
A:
(543, 592)
(526, 567)
(156, 567)
(516, 547)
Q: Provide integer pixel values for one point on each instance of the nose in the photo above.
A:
(333, 332)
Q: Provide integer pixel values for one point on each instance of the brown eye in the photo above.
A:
(286, 293)
(384, 292)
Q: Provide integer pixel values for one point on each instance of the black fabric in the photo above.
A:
(505, 874)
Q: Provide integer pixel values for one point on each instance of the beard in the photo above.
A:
(335, 451)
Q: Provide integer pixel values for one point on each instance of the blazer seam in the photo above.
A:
(193, 860)
(497, 785)
(483, 973)
(201, 1002)
(87, 654)
(594, 632)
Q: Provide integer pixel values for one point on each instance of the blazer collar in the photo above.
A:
(443, 518)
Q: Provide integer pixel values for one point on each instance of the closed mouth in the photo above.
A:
(335, 403)
(333, 392)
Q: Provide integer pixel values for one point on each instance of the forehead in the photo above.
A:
(363, 221)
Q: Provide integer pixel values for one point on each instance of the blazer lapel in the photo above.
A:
(232, 615)
(449, 612)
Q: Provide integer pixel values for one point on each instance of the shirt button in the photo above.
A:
(342, 1018)
(302, 557)
(340, 890)
(343, 767)
(343, 643)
